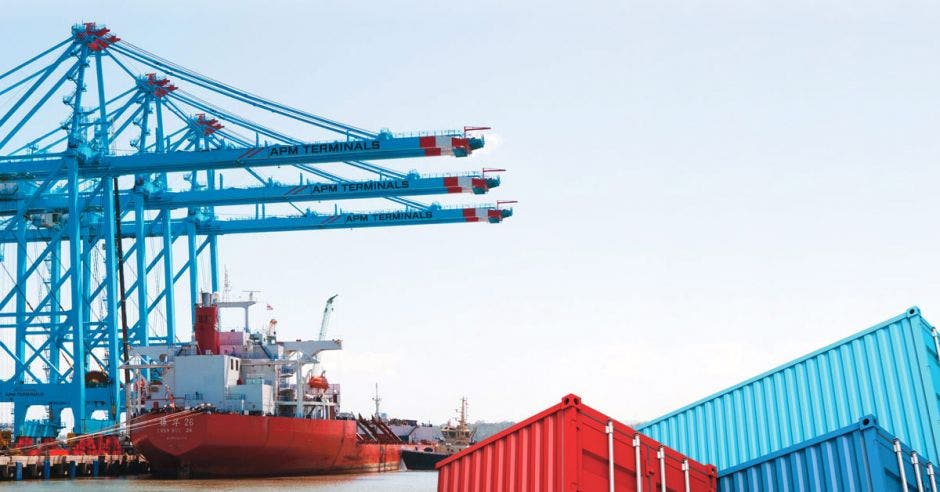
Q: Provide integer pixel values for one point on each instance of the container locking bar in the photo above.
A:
(639, 468)
(897, 452)
(661, 454)
(933, 480)
(685, 471)
(916, 463)
(610, 453)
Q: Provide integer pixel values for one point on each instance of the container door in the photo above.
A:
(627, 458)
(894, 464)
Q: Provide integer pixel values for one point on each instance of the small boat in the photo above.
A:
(454, 438)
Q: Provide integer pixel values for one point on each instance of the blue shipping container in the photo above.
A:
(890, 370)
(862, 457)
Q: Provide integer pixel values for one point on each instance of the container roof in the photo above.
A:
(911, 312)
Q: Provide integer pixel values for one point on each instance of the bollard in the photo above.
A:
(72, 469)
(46, 469)
(18, 474)
(94, 468)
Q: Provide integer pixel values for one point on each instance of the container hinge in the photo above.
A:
(936, 341)
(933, 480)
(685, 472)
(639, 467)
(916, 463)
(898, 454)
(661, 455)
(610, 454)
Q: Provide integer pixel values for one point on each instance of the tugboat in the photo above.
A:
(237, 404)
(454, 438)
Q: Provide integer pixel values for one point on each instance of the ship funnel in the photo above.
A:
(207, 326)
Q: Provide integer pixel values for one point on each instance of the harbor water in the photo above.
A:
(404, 481)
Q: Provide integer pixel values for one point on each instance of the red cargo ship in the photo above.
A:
(234, 404)
(203, 445)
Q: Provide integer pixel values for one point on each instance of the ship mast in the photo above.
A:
(463, 411)
(227, 287)
(377, 400)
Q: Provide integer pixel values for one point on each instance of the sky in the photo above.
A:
(706, 189)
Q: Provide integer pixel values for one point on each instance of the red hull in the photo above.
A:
(224, 445)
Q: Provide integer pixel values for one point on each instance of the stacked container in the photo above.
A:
(890, 370)
(572, 447)
(862, 457)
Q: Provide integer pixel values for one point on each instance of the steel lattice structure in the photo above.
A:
(134, 166)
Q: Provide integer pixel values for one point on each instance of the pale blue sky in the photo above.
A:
(707, 189)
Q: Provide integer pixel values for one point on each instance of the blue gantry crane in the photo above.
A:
(93, 201)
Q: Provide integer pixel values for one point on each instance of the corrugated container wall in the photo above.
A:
(571, 447)
(890, 370)
(862, 457)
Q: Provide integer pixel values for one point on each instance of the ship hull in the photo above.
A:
(201, 445)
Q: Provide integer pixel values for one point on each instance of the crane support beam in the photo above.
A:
(273, 193)
(386, 147)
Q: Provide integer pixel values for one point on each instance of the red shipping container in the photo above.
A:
(572, 447)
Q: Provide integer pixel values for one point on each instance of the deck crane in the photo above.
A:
(146, 160)
(324, 324)
(327, 313)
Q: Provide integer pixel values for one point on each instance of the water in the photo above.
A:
(416, 481)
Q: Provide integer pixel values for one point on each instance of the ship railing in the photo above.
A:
(307, 403)
(259, 381)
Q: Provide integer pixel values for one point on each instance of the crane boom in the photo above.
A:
(309, 221)
(412, 185)
(385, 147)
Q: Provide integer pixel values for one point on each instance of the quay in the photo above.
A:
(17, 468)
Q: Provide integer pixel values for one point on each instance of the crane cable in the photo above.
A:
(119, 247)
(153, 60)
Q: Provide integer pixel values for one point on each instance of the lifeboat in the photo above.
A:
(318, 382)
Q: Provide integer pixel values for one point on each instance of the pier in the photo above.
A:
(17, 468)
